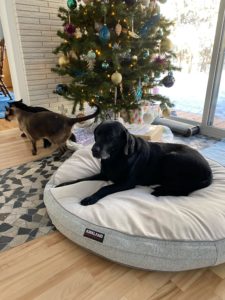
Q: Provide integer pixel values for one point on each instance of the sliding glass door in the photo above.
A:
(193, 39)
(213, 122)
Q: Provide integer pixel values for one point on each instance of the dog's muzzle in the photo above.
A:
(98, 153)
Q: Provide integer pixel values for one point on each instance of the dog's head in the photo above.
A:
(112, 138)
(10, 110)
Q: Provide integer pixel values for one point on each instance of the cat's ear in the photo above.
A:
(21, 101)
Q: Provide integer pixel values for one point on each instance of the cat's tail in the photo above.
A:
(72, 121)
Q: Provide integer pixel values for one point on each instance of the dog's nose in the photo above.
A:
(96, 150)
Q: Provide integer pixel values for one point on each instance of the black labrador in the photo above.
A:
(127, 161)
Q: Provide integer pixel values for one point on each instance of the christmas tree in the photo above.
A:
(116, 52)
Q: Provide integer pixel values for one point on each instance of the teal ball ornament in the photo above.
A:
(72, 4)
(146, 54)
(146, 78)
(104, 34)
(91, 54)
(159, 33)
(105, 65)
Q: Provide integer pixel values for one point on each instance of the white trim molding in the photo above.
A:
(14, 52)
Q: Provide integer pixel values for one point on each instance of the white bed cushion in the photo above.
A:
(169, 224)
(197, 217)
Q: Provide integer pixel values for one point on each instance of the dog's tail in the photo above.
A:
(72, 121)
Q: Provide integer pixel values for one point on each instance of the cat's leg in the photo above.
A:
(61, 150)
(34, 147)
(46, 143)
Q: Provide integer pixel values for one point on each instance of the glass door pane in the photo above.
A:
(192, 37)
(219, 116)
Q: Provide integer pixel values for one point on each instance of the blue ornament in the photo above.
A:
(105, 65)
(144, 31)
(104, 34)
(130, 2)
(138, 94)
(169, 80)
(61, 89)
(78, 73)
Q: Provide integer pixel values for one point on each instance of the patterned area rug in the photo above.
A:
(23, 216)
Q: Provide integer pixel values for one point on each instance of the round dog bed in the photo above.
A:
(135, 228)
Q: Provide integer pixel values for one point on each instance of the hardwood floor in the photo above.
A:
(15, 150)
(52, 267)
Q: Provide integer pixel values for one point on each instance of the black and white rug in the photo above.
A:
(23, 215)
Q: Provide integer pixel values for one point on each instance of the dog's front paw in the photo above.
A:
(89, 201)
(158, 191)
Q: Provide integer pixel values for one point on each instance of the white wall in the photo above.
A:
(37, 24)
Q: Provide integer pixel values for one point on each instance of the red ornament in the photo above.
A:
(69, 29)
(160, 60)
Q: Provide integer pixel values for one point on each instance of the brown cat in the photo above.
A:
(46, 124)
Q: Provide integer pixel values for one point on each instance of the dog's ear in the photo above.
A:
(130, 144)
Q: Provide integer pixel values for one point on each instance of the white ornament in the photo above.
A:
(72, 54)
(148, 117)
(98, 26)
(132, 33)
(116, 78)
(118, 29)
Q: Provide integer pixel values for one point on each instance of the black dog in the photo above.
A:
(129, 161)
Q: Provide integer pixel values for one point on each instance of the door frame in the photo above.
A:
(14, 50)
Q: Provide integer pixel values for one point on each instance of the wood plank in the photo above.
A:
(15, 150)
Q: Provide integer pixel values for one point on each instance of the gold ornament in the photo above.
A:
(78, 33)
(116, 78)
(166, 45)
(63, 60)
(166, 111)
(118, 28)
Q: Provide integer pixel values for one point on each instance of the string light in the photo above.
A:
(98, 52)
